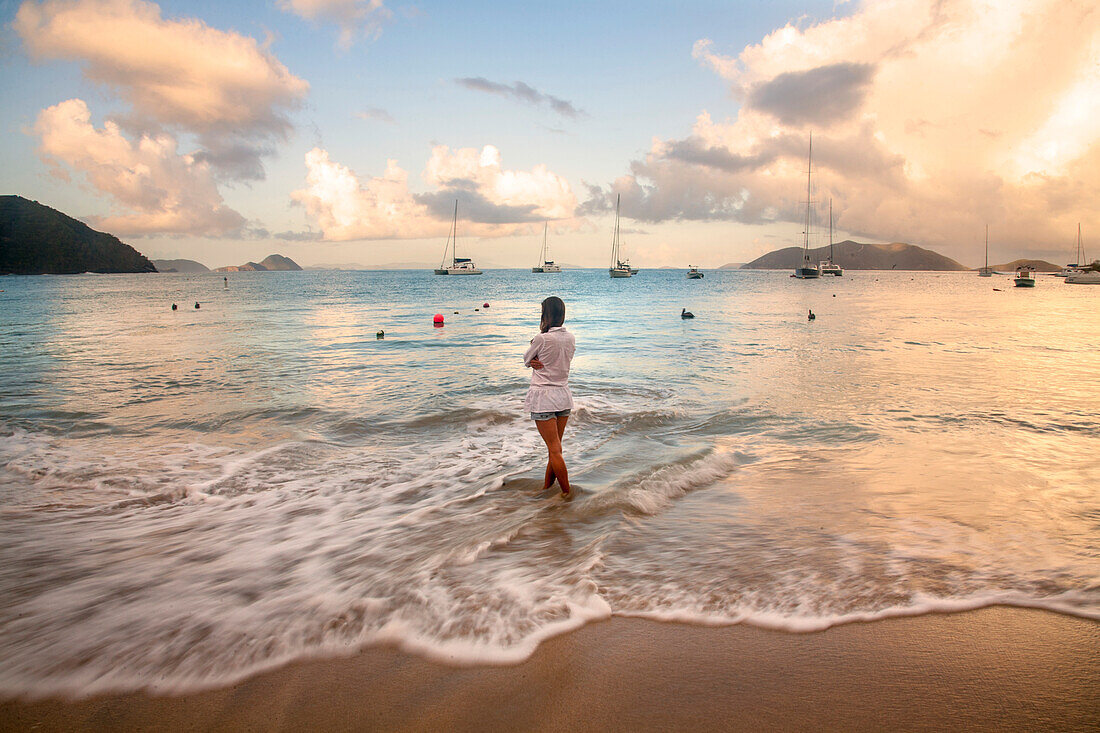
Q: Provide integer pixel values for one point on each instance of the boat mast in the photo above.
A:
(450, 232)
(987, 248)
(454, 237)
(830, 231)
(1080, 252)
(615, 240)
(544, 227)
(806, 234)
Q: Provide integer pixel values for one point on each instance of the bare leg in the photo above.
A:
(548, 429)
(550, 477)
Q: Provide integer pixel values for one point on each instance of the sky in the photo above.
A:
(342, 132)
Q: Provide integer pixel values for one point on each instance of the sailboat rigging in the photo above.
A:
(806, 269)
(1074, 268)
(459, 265)
(828, 267)
(618, 267)
(986, 271)
(545, 265)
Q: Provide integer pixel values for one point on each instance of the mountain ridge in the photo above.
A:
(271, 263)
(36, 239)
(853, 255)
(180, 265)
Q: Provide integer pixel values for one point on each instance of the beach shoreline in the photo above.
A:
(996, 668)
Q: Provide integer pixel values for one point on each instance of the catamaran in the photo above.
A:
(547, 265)
(828, 267)
(986, 271)
(618, 267)
(1075, 267)
(806, 270)
(1082, 276)
(459, 265)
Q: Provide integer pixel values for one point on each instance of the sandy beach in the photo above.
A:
(991, 669)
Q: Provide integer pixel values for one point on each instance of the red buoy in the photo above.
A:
(486, 305)
(437, 321)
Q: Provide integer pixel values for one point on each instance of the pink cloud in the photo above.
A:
(159, 190)
(930, 119)
(354, 17)
(493, 201)
(179, 74)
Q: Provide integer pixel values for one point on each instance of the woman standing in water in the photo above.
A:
(548, 398)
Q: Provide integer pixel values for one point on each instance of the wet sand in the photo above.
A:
(992, 669)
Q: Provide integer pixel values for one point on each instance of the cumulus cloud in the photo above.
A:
(930, 118)
(815, 96)
(179, 75)
(521, 92)
(161, 190)
(492, 201)
(355, 18)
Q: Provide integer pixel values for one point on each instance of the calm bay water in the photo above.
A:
(188, 497)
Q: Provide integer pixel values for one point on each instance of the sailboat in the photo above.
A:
(618, 267)
(828, 267)
(806, 269)
(986, 271)
(1083, 275)
(459, 265)
(1075, 267)
(546, 265)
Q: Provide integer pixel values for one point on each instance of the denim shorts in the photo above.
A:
(540, 416)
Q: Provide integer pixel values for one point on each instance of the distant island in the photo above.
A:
(269, 263)
(180, 266)
(1037, 265)
(38, 240)
(859, 256)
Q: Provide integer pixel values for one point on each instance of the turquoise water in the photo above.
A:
(189, 497)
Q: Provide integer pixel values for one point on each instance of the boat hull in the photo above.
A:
(807, 273)
(458, 271)
(1025, 282)
(613, 272)
(695, 276)
(1083, 278)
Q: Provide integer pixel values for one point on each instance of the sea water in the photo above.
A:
(188, 497)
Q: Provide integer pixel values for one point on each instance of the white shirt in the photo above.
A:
(549, 391)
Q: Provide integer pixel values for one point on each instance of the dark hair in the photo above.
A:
(553, 313)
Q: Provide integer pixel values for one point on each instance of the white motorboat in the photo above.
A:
(1025, 277)
(1084, 277)
(459, 265)
(546, 265)
(693, 273)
